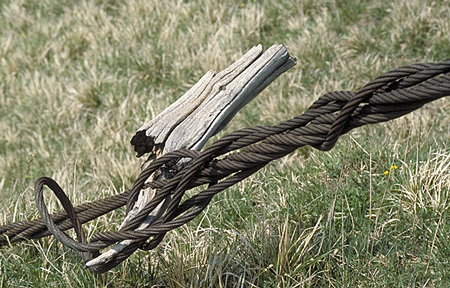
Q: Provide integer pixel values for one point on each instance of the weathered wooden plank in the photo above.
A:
(196, 116)
(217, 97)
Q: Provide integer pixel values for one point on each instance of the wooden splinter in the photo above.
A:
(200, 113)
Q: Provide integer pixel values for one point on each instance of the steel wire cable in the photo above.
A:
(231, 159)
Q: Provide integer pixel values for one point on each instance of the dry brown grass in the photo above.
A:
(78, 78)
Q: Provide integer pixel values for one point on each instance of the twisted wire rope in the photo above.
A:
(231, 159)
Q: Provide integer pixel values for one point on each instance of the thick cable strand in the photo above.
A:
(236, 156)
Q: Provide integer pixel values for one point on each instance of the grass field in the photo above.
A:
(77, 78)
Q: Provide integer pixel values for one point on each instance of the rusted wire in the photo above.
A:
(232, 159)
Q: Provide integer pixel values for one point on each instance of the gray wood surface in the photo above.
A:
(200, 113)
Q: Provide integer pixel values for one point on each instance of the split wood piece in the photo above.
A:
(211, 103)
(199, 114)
